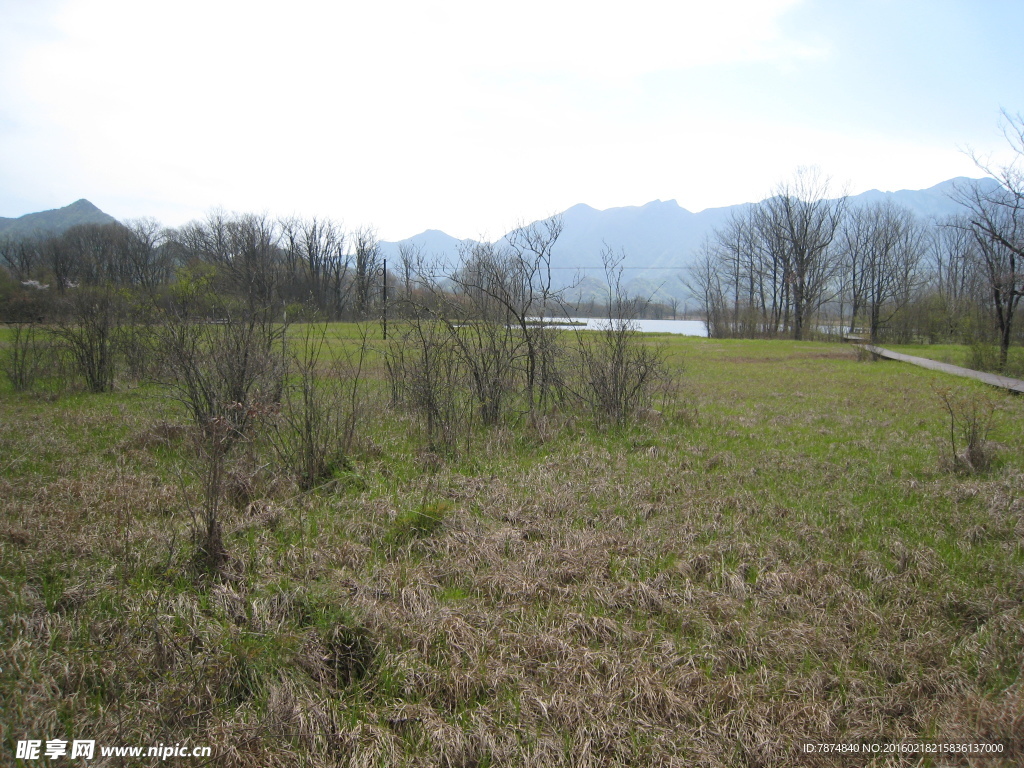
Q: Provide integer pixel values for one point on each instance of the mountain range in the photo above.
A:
(656, 241)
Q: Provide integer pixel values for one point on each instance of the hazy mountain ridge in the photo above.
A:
(55, 221)
(659, 239)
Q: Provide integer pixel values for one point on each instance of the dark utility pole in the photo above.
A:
(384, 309)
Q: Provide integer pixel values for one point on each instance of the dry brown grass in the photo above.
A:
(711, 594)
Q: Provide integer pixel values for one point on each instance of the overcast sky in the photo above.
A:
(472, 116)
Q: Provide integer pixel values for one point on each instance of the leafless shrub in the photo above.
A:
(312, 430)
(424, 369)
(507, 288)
(228, 372)
(475, 319)
(478, 348)
(89, 332)
(212, 445)
(26, 356)
(972, 416)
(135, 344)
(618, 371)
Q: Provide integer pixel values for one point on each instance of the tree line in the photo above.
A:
(306, 267)
(312, 262)
(805, 262)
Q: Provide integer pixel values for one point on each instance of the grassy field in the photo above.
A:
(786, 555)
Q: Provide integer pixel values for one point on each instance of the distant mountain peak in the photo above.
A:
(55, 220)
(580, 207)
(80, 205)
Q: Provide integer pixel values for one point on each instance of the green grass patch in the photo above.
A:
(789, 556)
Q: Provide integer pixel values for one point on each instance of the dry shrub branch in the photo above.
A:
(972, 417)
(618, 371)
(481, 349)
(313, 428)
(224, 361)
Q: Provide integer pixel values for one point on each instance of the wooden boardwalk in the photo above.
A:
(1004, 382)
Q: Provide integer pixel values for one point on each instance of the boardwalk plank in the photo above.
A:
(1004, 382)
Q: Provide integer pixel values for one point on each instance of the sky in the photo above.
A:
(472, 117)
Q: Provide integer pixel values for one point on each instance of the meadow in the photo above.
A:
(786, 552)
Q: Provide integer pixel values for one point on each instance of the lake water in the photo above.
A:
(682, 327)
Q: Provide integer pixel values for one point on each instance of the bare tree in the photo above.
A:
(739, 251)
(59, 262)
(479, 340)
(704, 282)
(955, 276)
(23, 359)
(773, 265)
(410, 260)
(530, 300)
(317, 264)
(367, 268)
(22, 257)
(800, 224)
(882, 248)
(228, 375)
(116, 254)
(994, 216)
(223, 357)
(313, 429)
(1000, 262)
(426, 372)
(243, 247)
(509, 285)
(149, 263)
